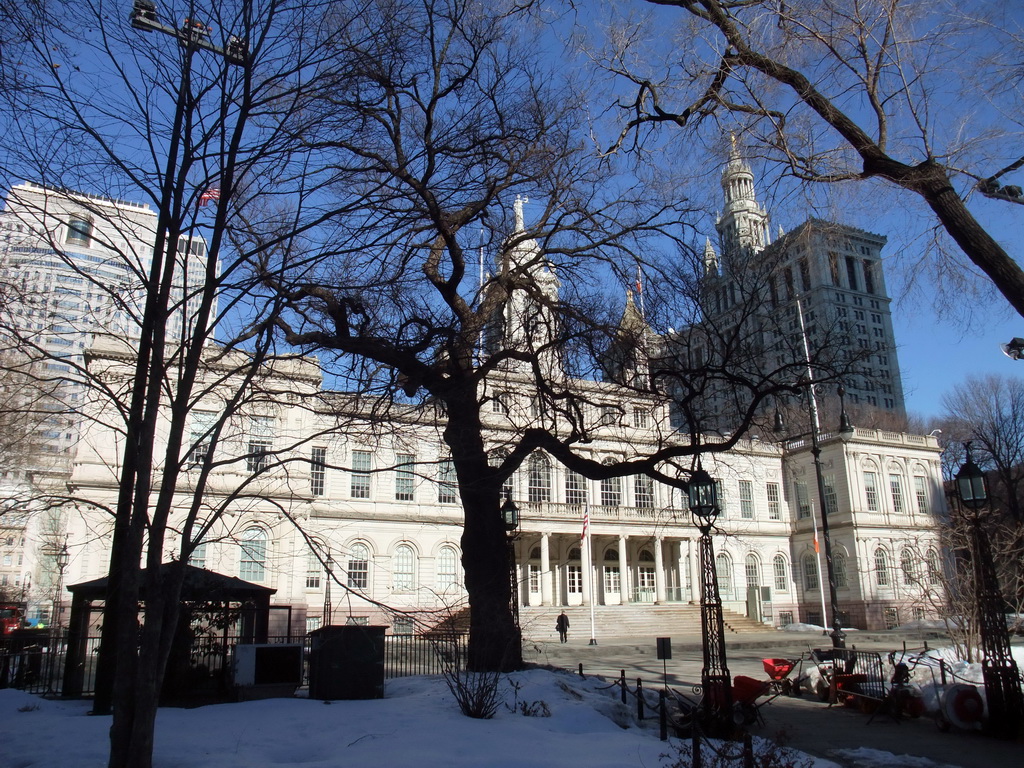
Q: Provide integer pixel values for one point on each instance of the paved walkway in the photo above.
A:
(803, 723)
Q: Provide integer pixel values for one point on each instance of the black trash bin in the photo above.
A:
(346, 662)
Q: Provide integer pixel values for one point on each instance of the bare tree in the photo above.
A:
(837, 92)
(178, 117)
(442, 126)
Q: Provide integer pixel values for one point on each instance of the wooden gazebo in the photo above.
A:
(199, 586)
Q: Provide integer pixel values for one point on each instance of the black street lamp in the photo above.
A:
(999, 670)
(62, 558)
(845, 428)
(714, 676)
(510, 519)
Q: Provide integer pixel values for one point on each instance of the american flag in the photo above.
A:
(586, 523)
(212, 194)
(639, 281)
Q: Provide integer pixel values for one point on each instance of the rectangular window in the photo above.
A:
(896, 486)
(643, 488)
(833, 267)
(869, 276)
(640, 417)
(612, 580)
(921, 491)
(446, 482)
(851, 272)
(805, 275)
(202, 425)
(785, 618)
(403, 625)
(314, 571)
(574, 579)
(534, 574)
(831, 500)
(803, 503)
(609, 415)
(405, 478)
(361, 465)
(871, 490)
(575, 489)
(746, 499)
(891, 616)
(317, 470)
(261, 443)
(774, 501)
(810, 574)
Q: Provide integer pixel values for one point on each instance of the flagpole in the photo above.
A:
(590, 576)
(817, 559)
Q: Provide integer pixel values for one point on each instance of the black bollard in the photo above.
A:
(639, 699)
(622, 684)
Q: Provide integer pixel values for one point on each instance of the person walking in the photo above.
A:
(562, 625)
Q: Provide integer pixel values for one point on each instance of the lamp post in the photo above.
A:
(845, 428)
(999, 670)
(714, 676)
(510, 519)
(62, 558)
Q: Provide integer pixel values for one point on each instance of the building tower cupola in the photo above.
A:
(743, 225)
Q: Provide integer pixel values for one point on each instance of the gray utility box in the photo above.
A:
(346, 662)
(266, 670)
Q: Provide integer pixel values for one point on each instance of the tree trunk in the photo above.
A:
(495, 640)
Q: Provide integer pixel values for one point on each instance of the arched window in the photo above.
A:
(781, 573)
(539, 471)
(404, 568)
(253, 560)
(723, 569)
(839, 569)
(932, 563)
(908, 567)
(881, 568)
(359, 566)
(611, 555)
(574, 553)
(447, 569)
(752, 570)
(810, 564)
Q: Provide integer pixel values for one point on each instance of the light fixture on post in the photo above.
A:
(510, 519)
(62, 558)
(714, 676)
(999, 670)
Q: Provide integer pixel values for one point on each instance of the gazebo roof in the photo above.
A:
(199, 584)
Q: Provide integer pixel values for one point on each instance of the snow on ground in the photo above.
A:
(863, 757)
(416, 724)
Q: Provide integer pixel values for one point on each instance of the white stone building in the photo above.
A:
(306, 480)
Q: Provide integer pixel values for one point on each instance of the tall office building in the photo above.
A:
(74, 267)
(830, 273)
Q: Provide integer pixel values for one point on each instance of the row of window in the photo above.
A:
(352, 569)
(609, 415)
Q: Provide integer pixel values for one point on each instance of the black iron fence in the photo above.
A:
(34, 660)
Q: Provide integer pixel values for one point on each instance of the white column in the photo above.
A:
(691, 551)
(682, 571)
(659, 571)
(546, 590)
(623, 571)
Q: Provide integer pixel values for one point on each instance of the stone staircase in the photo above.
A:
(642, 620)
